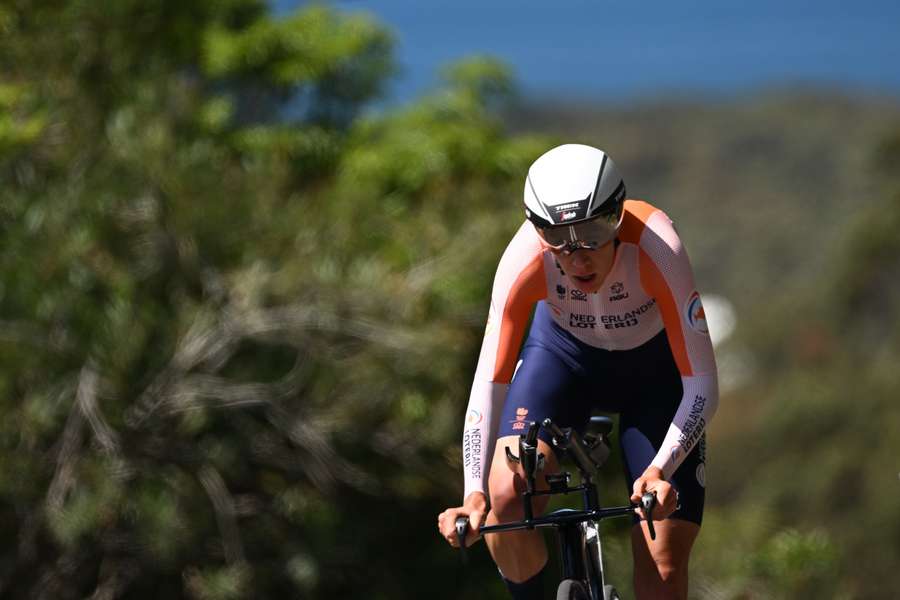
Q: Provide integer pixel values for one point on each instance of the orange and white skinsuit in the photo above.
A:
(650, 288)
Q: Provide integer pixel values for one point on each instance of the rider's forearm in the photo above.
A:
(482, 416)
(698, 405)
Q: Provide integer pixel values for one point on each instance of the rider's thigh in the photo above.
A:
(506, 482)
(663, 564)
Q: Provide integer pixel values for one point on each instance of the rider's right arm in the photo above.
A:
(518, 284)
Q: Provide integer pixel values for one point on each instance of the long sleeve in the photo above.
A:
(667, 275)
(518, 284)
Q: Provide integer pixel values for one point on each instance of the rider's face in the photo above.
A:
(587, 268)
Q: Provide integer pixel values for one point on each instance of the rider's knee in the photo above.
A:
(669, 573)
(506, 500)
(506, 483)
(672, 572)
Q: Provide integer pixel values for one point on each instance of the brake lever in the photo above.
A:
(648, 502)
(462, 528)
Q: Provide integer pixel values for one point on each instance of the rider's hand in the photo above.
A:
(666, 496)
(474, 507)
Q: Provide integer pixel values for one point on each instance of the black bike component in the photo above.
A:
(531, 437)
(598, 426)
(531, 460)
(528, 454)
(568, 440)
(596, 438)
(512, 460)
(648, 502)
(462, 529)
(569, 589)
(528, 457)
(594, 563)
(571, 551)
(610, 593)
(559, 482)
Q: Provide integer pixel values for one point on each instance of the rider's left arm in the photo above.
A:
(667, 275)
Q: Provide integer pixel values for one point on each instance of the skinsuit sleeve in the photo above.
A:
(666, 274)
(518, 284)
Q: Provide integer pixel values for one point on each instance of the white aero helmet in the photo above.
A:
(574, 196)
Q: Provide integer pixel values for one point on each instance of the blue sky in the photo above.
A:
(614, 50)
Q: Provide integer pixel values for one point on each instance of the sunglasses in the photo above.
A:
(586, 234)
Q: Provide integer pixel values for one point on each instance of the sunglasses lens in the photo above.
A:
(597, 232)
(587, 234)
(556, 236)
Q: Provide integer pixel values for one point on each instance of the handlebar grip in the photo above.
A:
(462, 528)
(648, 502)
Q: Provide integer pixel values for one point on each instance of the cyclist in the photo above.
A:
(618, 326)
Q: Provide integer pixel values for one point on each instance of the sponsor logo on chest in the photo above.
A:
(573, 294)
(617, 292)
(622, 320)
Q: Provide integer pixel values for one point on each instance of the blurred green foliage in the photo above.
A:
(239, 308)
(224, 287)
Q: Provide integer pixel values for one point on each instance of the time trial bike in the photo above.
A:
(578, 531)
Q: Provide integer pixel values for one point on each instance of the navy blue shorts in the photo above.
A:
(563, 378)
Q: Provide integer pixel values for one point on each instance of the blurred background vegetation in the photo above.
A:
(240, 308)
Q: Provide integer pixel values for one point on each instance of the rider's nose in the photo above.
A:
(581, 260)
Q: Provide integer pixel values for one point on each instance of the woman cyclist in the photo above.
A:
(619, 327)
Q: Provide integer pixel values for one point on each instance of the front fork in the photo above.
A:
(594, 559)
(581, 555)
(572, 552)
